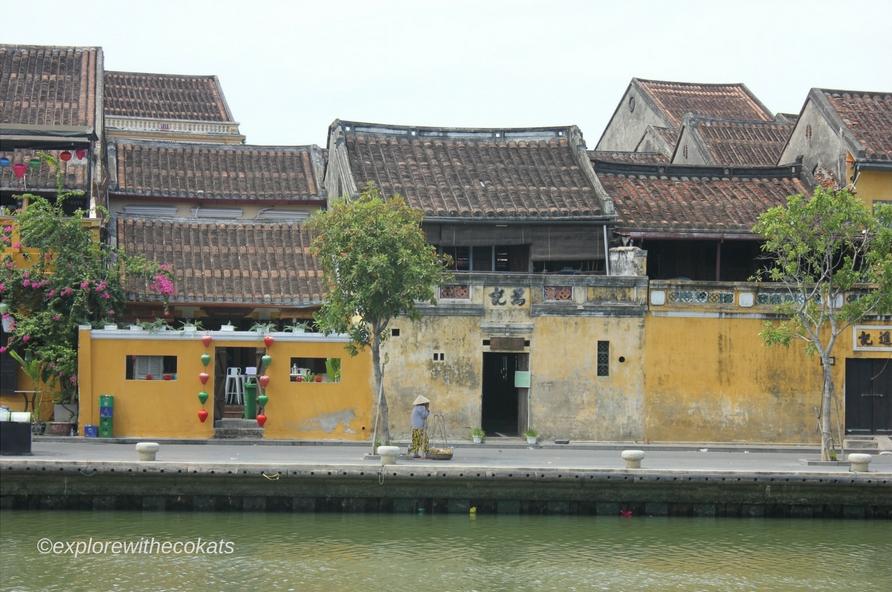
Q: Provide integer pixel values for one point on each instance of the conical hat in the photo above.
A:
(421, 400)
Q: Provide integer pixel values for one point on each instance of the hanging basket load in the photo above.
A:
(437, 435)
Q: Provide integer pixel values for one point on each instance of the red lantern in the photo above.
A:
(261, 419)
(19, 168)
(206, 340)
(268, 340)
(203, 377)
(81, 153)
(65, 156)
(263, 380)
(202, 415)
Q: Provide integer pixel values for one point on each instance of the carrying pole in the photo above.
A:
(377, 415)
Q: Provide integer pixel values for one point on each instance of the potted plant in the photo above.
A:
(227, 326)
(155, 326)
(137, 326)
(263, 328)
(191, 326)
(477, 435)
(333, 369)
(297, 327)
(532, 436)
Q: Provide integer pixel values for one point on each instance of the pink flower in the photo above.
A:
(16, 245)
(66, 291)
(10, 265)
(7, 229)
(26, 274)
(85, 285)
(105, 295)
(26, 338)
(51, 293)
(57, 317)
(162, 285)
(26, 283)
(73, 379)
(2, 287)
(2, 349)
(166, 267)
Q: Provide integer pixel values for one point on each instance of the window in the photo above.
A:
(489, 258)
(315, 370)
(603, 358)
(151, 368)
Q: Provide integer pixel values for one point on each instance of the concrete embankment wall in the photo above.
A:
(398, 488)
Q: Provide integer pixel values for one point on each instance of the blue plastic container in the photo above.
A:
(91, 431)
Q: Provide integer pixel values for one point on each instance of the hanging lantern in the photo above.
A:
(205, 359)
(19, 168)
(263, 380)
(203, 377)
(65, 156)
(202, 415)
(268, 340)
(203, 397)
(261, 400)
(4, 162)
(34, 163)
(266, 360)
(81, 153)
(206, 340)
(261, 419)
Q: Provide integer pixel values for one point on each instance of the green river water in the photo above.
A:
(432, 553)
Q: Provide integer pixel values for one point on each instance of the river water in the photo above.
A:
(265, 552)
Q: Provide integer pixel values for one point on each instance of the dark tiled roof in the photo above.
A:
(74, 174)
(722, 101)
(739, 143)
(165, 96)
(629, 157)
(182, 170)
(686, 201)
(868, 117)
(480, 173)
(235, 263)
(48, 86)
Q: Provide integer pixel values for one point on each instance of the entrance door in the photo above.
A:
(500, 397)
(868, 396)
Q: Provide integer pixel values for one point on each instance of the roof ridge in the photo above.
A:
(694, 119)
(698, 170)
(33, 46)
(446, 129)
(853, 92)
(234, 147)
(130, 73)
(677, 83)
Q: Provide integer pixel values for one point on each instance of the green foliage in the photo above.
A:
(478, 433)
(56, 276)
(333, 369)
(377, 264)
(834, 256)
(531, 433)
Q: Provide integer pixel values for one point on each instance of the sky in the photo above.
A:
(288, 69)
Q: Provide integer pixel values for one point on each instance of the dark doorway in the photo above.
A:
(227, 358)
(868, 396)
(500, 396)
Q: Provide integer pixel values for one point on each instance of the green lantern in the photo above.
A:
(266, 360)
(34, 163)
(262, 399)
(205, 359)
(203, 397)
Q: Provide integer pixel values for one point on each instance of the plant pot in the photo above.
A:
(227, 328)
(531, 440)
(189, 329)
(58, 428)
(110, 327)
(477, 439)
(65, 412)
(136, 328)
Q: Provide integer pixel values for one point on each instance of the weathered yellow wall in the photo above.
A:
(874, 185)
(453, 385)
(15, 402)
(568, 398)
(159, 408)
(713, 380)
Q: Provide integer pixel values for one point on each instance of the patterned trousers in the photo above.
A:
(420, 443)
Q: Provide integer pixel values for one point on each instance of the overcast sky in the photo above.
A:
(289, 68)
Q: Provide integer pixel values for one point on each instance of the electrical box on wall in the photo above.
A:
(521, 379)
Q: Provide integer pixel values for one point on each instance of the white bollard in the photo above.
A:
(388, 454)
(633, 458)
(147, 450)
(859, 462)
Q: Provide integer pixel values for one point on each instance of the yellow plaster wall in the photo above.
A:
(713, 379)
(874, 185)
(15, 402)
(159, 408)
(568, 399)
(453, 385)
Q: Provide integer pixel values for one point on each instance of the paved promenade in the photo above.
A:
(496, 455)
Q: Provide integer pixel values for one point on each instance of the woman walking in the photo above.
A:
(420, 412)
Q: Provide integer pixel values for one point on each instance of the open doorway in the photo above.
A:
(238, 361)
(501, 405)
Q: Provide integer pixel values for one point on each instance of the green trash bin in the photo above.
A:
(250, 400)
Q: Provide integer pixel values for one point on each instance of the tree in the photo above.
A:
(833, 255)
(56, 275)
(377, 265)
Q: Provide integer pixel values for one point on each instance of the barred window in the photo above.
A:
(603, 358)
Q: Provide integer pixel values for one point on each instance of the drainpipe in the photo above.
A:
(606, 252)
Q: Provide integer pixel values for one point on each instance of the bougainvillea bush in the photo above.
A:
(55, 274)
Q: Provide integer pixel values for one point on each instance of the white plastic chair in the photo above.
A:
(234, 387)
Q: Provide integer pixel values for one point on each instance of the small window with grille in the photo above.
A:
(603, 358)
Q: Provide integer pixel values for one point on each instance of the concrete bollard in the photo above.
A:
(859, 462)
(388, 454)
(147, 450)
(633, 458)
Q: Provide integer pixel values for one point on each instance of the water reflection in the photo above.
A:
(349, 552)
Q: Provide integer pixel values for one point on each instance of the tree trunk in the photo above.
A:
(826, 399)
(381, 413)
